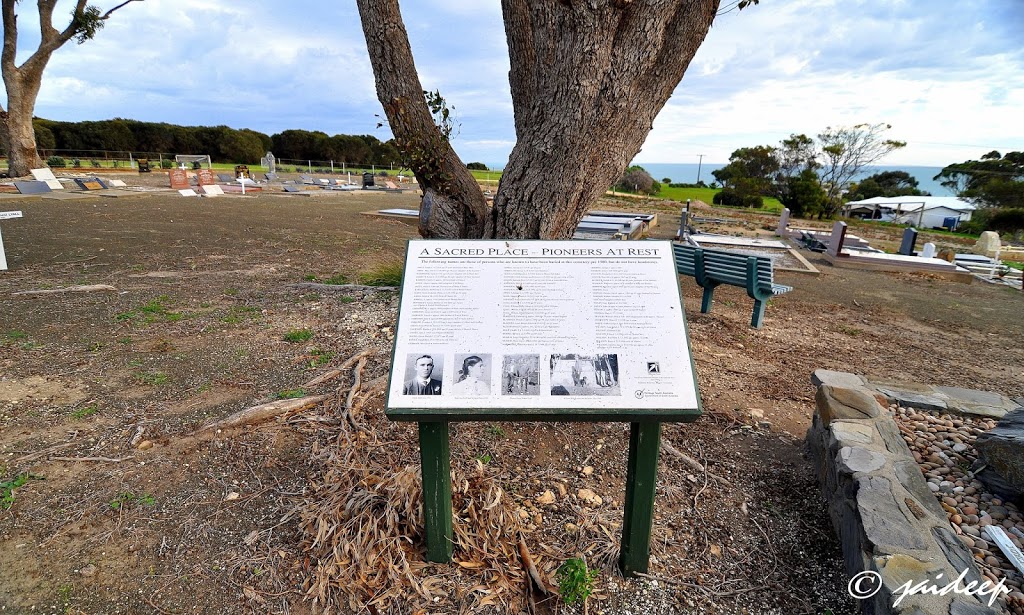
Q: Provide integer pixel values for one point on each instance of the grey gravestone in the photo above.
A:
(225, 178)
(32, 187)
(1002, 449)
(835, 243)
(909, 239)
(783, 223)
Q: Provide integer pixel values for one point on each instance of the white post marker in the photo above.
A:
(241, 180)
(1011, 551)
(6, 215)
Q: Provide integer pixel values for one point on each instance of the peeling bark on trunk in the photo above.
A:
(587, 78)
(18, 134)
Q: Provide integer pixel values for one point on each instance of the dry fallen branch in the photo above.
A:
(99, 459)
(265, 412)
(531, 567)
(87, 288)
(691, 462)
(340, 287)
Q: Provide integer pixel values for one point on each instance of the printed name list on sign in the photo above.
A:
(558, 326)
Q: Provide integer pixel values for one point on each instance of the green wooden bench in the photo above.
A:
(712, 268)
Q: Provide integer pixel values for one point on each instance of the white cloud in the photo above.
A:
(947, 77)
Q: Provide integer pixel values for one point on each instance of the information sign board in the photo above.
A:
(541, 330)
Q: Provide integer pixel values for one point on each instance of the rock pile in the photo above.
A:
(943, 445)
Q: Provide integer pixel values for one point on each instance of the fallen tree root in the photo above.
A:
(87, 288)
(265, 412)
(334, 373)
(691, 462)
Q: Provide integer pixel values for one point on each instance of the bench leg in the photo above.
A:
(705, 304)
(758, 316)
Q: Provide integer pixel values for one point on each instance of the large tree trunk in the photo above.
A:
(17, 132)
(587, 78)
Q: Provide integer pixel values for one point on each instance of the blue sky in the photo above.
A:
(948, 75)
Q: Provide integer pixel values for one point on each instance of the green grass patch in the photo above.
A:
(346, 299)
(290, 394)
(153, 378)
(384, 275)
(1014, 265)
(127, 497)
(15, 336)
(298, 335)
(239, 313)
(7, 488)
(320, 357)
(707, 195)
(85, 412)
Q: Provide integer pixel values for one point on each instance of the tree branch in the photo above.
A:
(10, 38)
(107, 15)
(453, 205)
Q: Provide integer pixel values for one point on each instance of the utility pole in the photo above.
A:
(699, 161)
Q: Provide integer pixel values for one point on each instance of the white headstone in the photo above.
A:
(187, 192)
(212, 190)
(929, 250)
(117, 183)
(47, 177)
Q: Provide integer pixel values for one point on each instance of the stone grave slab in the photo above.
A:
(32, 187)
(179, 179)
(187, 192)
(46, 176)
(206, 177)
(91, 183)
(116, 183)
(212, 190)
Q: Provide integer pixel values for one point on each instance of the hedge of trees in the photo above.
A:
(221, 143)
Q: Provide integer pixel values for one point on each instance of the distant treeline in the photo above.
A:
(221, 143)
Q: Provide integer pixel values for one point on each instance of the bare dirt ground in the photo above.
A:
(125, 505)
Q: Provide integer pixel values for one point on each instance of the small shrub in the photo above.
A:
(476, 166)
(56, 162)
(575, 582)
(77, 163)
(95, 164)
(166, 164)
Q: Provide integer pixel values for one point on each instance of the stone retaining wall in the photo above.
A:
(887, 519)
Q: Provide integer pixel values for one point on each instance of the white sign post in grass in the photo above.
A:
(6, 215)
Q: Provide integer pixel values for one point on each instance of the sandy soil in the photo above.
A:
(128, 507)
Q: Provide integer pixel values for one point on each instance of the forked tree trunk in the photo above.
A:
(587, 78)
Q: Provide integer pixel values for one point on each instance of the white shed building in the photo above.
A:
(919, 211)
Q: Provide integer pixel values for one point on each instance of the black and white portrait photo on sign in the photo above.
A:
(423, 374)
(520, 374)
(472, 376)
(580, 374)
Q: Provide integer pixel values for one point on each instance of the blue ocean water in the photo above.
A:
(687, 174)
